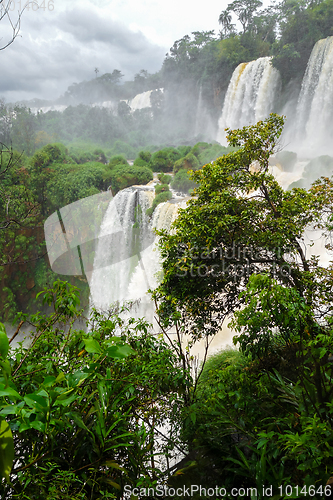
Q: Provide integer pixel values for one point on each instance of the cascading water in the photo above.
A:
(251, 95)
(198, 113)
(141, 101)
(315, 104)
(127, 259)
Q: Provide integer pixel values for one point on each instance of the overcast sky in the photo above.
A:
(65, 40)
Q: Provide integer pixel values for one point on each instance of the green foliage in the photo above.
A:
(262, 415)
(182, 182)
(138, 162)
(164, 179)
(71, 184)
(83, 406)
(251, 427)
(184, 150)
(222, 219)
(6, 437)
(159, 198)
(117, 160)
(122, 148)
(145, 156)
(160, 188)
(189, 162)
(83, 154)
(273, 315)
(121, 176)
(212, 152)
(302, 25)
(161, 161)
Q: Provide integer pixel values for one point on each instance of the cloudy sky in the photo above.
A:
(63, 41)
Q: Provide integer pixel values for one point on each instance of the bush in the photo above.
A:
(123, 176)
(182, 182)
(214, 151)
(189, 162)
(139, 162)
(145, 156)
(117, 160)
(160, 188)
(51, 153)
(122, 148)
(164, 179)
(184, 150)
(160, 198)
(160, 161)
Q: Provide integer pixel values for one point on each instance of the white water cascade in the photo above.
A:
(141, 101)
(315, 104)
(251, 95)
(127, 261)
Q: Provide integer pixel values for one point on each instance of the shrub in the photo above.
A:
(189, 162)
(160, 188)
(117, 160)
(159, 198)
(122, 176)
(182, 182)
(164, 179)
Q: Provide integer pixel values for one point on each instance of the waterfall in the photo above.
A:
(141, 101)
(251, 95)
(127, 260)
(315, 104)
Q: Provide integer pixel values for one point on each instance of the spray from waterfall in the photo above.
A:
(251, 95)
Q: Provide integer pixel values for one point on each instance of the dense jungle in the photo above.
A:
(94, 402)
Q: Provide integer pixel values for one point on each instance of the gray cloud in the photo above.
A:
(56, 50)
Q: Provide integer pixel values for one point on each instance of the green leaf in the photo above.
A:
(38, 425)
(76, 379)
(6, 449)
(193, 417)
(49, 381)
(4, 343)
(92, 346)
(60, 377)
(120, 351)
(66, 401)
(35, 401)
(8, 391)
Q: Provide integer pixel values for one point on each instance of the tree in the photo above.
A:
(225, 19)
(113, 77)
(238, 251)
(226, 234)
(244, 10)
